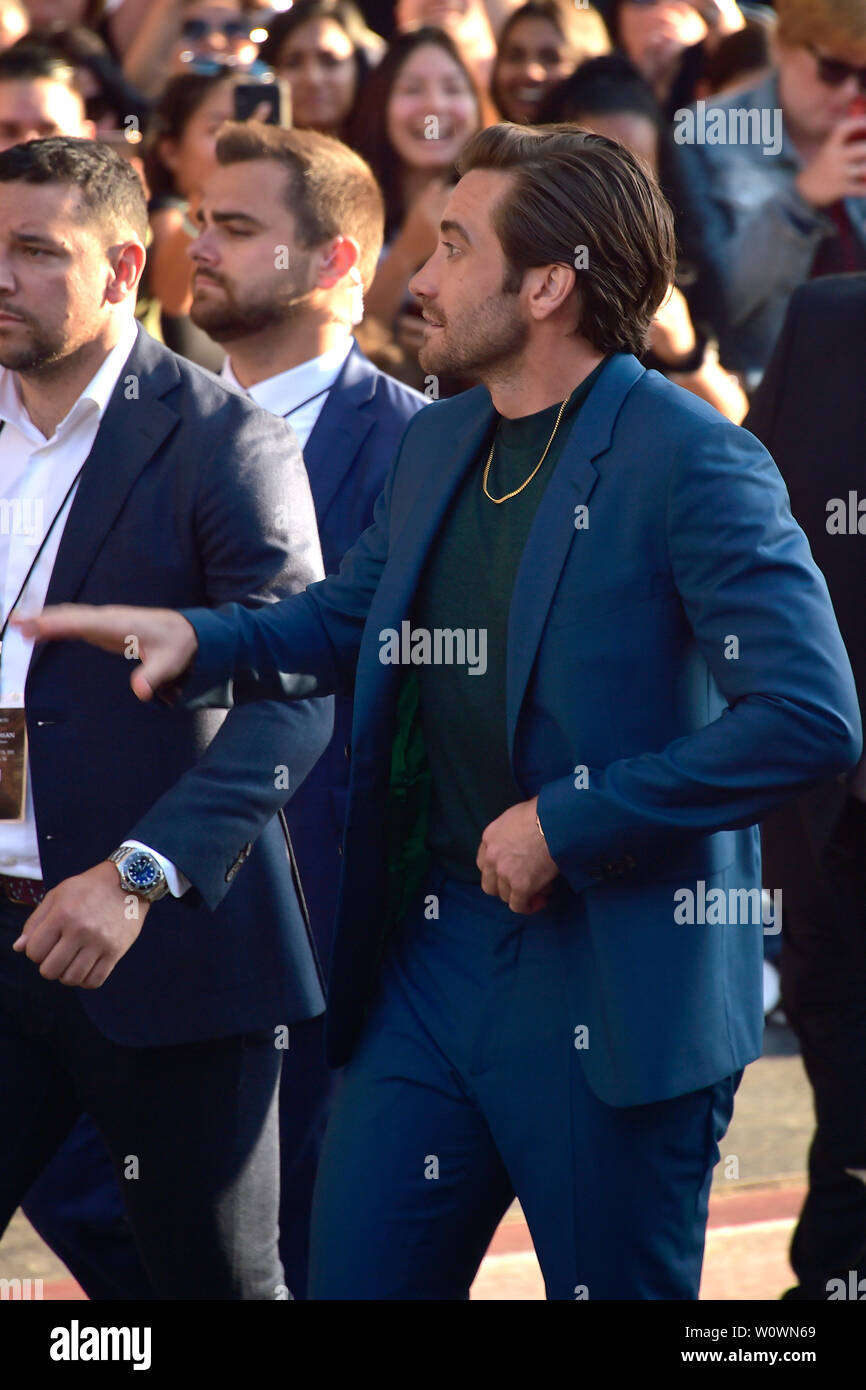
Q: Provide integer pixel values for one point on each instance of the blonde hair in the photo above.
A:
(834, 24)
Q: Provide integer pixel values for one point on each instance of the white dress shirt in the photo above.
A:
(299, 394)
(35, 475)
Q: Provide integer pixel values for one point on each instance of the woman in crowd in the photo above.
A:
(609, 96)
(540, 45)
(669, 41)
(416, 113)
(325, 51)
(179, 155)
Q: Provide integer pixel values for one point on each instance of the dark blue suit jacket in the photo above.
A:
(177, 504)
(620, 661)
(350, 449)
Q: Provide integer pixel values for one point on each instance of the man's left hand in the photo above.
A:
(82, 927)
(514, 861)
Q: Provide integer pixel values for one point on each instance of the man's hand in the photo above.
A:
(82, 927)
(838, 170)
(163, 641)
(513, 859)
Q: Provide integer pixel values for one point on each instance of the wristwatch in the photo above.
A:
(140, 872)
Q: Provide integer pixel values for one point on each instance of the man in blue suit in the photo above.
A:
(285, 316)
(589, 649)
(287, 331)
(134, 985)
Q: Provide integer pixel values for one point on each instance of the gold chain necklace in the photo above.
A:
(508, 495)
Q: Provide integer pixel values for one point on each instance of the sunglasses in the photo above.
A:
(230, 28)
(833, 72)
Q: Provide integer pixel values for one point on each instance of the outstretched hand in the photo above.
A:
(161, 640)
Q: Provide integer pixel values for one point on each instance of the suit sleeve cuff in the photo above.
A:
(557, 814)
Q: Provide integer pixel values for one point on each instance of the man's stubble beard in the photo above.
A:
(228, 319)
(492, 338)
(40, 353)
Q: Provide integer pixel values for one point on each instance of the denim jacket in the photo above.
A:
(752, 234)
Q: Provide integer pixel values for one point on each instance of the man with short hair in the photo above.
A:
(39, 97)
(133, 984)
(589, 649)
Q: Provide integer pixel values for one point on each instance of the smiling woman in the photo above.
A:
(418, 110)
(540, 45)
(325, 51)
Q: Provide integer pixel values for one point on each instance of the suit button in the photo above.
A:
(348, 751)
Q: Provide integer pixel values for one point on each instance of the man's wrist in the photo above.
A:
(140, 872)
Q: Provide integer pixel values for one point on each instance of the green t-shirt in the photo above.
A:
(466, 586)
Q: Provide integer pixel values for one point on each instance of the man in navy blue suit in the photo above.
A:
(285, 316)
(590, 650)
(139, 982)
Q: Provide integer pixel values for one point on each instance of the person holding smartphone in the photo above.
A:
(763, 215)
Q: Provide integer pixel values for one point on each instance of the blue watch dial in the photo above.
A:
(141, 870)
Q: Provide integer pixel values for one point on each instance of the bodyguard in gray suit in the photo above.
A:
(134, 985)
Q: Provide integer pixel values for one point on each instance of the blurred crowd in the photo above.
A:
(766, 197)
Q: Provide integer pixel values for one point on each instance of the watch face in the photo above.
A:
(141, 870)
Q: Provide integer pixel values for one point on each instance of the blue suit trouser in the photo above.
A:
(465, 1089)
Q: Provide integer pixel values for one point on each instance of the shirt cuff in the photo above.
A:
(177, 882)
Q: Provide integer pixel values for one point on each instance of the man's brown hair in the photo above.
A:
(330, 190)
(581, 200)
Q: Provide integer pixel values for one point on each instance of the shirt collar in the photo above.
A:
(97, 393)
(286, 391)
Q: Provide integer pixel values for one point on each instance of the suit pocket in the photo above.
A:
(583, 606)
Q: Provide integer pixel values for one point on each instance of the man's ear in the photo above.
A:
(127, 262)
(337, 260)
(547, 287)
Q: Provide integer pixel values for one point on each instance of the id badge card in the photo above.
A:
(13, 764)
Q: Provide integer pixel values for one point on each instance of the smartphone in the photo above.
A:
(276, 95)
(857, 109)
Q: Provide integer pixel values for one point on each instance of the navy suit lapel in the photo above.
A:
(340, 430)
(441, 475)
(554, 528)
(444, 470)
(130, 432)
